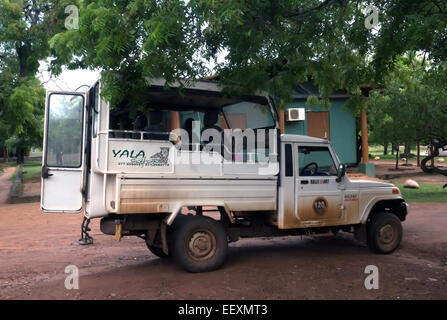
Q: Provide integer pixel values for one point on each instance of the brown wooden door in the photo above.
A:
(318, 124)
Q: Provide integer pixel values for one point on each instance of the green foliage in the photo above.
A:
(412, 108)
(130, 41)
(24, 30)
(267, 45)
(270, 45)
(24, 115)
(410, 26)
(25, 27)
(273, 45)
(25, 106)
(33, 173)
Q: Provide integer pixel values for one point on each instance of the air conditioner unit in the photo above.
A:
(296, 114)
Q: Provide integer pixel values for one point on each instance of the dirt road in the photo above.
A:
(35, 248)
(5, 184)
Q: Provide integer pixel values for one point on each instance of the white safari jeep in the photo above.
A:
(195, 169)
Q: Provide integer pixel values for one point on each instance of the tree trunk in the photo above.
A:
(22, 54)
(397, 158)
(418, 154)
(20, 155)
(432, 159)
(394, 147)
(385, 149)
(407, 149)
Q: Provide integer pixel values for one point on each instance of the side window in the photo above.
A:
(315, 161)
(158, 123)
(64, 131)
(150, 124)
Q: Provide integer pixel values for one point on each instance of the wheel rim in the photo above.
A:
(388, 235)
(201, 245)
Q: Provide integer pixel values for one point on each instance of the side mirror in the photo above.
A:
(341, 172)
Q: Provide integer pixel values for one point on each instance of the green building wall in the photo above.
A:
(342, 128)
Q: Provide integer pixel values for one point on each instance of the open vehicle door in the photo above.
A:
(63, 159)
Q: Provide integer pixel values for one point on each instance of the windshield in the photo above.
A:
(243, 115)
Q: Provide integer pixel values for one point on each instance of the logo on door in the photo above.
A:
(320, 206)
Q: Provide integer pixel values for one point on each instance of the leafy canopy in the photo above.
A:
(266, 44)
(25, 27)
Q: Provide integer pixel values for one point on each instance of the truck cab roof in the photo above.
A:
(302, 139)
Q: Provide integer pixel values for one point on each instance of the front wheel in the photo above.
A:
(384, 233)
(200, 244)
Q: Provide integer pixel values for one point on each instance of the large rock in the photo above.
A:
(411, 184)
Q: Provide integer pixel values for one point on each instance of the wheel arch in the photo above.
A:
(396, 206)
(222, 208)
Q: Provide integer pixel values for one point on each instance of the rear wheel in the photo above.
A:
(199, 244)
(157, 250)
(384, 233)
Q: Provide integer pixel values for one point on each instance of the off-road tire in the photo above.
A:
(199, 244)
(384, 233)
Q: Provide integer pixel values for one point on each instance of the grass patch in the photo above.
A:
(33, 168)
(425, 193)
(25, 164)
(33, 173)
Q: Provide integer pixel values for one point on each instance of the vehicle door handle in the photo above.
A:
(304, 181)
(46, 172)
